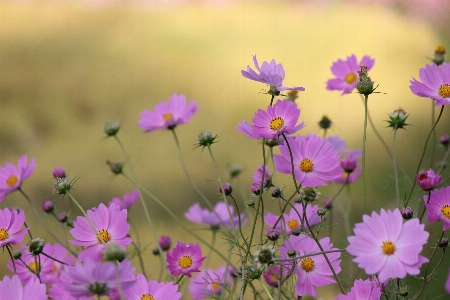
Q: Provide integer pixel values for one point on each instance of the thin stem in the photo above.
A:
(265, 288)
(141, 262)
(434, 133)
(52, 258)
(292, 162)
(138, 246)
(444, 161)
(366, 98)
(239, 219)
(397, 191)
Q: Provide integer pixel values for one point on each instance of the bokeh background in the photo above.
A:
(68, 67)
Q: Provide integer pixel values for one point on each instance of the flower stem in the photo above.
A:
(265, 288)
(366, 98)
(397, 191)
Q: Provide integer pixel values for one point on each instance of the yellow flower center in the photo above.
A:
(3, 234)
(440, 50)
(167, 117)
(445, 210)
(292, 224)
(274, 278)
(105, 236)
(34, 266)
(12, 180)
(276, 123)
(185, 262)
(307, 264)
(306, 165)
(147, 297)
(215, 287)
(350, 78)
(388, 247)
(444, 90)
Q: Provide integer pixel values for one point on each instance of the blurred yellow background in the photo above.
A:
(67, 68)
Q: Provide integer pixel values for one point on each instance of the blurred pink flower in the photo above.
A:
(128, 199)
(10, 223)
(438, 206)
(12, 289)
(11, 177)
(428, 180)
(258, 178)
(363, 290)
(209, 283)
(435, 83)
(293, 220)
(215, 218)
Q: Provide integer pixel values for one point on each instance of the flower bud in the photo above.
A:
(397, 119)
(62, 186)
(48, 206)
(251, 203)
(442, 243)
(403, 291)
(273, 234)
(439, 55)
(17, 255)
(62, 217)
(444, 139)
(365, 84)
(308, 194)
(349, 163)
(291, 253)
(35, 246)
(234, 171)
(292, 95)
(165, 242)
(113, 252)
(206, 139)
(407, 213)
(276, 193)
(327, 203)
(59, 172)
(325, 123)
(321, 212)
(116, 167)
(226, 189)
(428, 180)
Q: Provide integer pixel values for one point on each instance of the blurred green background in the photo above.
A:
(67, 68)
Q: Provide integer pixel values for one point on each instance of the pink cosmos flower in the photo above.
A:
(11, 177)
(346, 72)
(314, 159)
(428, 180)
(111, 224)
(293, 220)
(435, 83)
(274, 274)
(340, 145)
(346, 177)
(152, 290)
(10, 224)
(128, 199)
(438, 206)
(363, 290)
(168, 114)
(217, 218)
(12, 289)
(386, 246)
(184, 259)
(92, 278)
(269, 73)
(209, 283)
(279, 118)
(312, 270)
(258, 177)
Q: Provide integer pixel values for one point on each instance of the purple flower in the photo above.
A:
(48, 206)
(269, 73)
(217, 218)
(12, 289)
(258, 178)
(346, 72)
(226, 189)
(152, 290)
(386, 246)
(435, 83)
(438, 206)
(346, 177)
(10, 224)
(11, 177)
(184, 259)
(311, 270)
(428, 180)
(279, 118)
(165, 242)
(363, 289)
(349, 163)
(444, 139)
(314, 159)
(340, 144)
(168, 114)
(209, 283)
(128, 200)
(273, 275)
(59, 172)
(293, 220)
(111, 223)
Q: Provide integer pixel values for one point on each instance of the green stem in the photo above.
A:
(265, 288)
(366, 98)
(434, 133)
(397, 191)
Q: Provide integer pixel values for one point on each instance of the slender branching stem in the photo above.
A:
(397, 191)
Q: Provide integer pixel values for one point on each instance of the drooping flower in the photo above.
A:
(435, 83)
(438, 206)
(11, 178)
(363, 290)
(128, 199)
(258, 178)
(293, 220)
(168, 114)
(184, 259)
(111, 224)
(346, 72)
(209, 283)
(428, 180)
(314, 160)
(152, 290)
(312, 270)
(386, 246)
(215, 218)
(12, 289)
(269, 73)
(10, 224)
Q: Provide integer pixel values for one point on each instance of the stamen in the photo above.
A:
(306, 165)
(307, 264)
(3, 234)
(185, 262)
(167, 117)
(350, 78)
(445, 210)
(444, 90)
(276, 123)
(388, 248)
(292, 224)
(105, 236)
(12, 180)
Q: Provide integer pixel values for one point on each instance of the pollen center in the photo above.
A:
(292, 224)
(147, 297)
(3, 234)
(276, 123)
(35, 266)
(306, 165)
(445, 210)
(350, 78)
(105, 236)
(444, 90)
(388, 247)
(185, 262)
(167, 117)
(215, 287)
(307, 264)
(12, 180)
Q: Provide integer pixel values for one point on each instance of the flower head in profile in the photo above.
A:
(215, 218)
(435, 83)
(311, 270)
(127, 200)
(12, 289)
(386, 246)
(11, 222)
(168, 114)
(279, 118)
(368, 289)
(184, 259)
(209, 283)
(11, 177)
(346, 72)
(428, 180)
(315, 160)
(269, 73)
(438, 206)
(258, 179)
(153, 289)
(111, 224)
(274, 274)
(293, 220)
